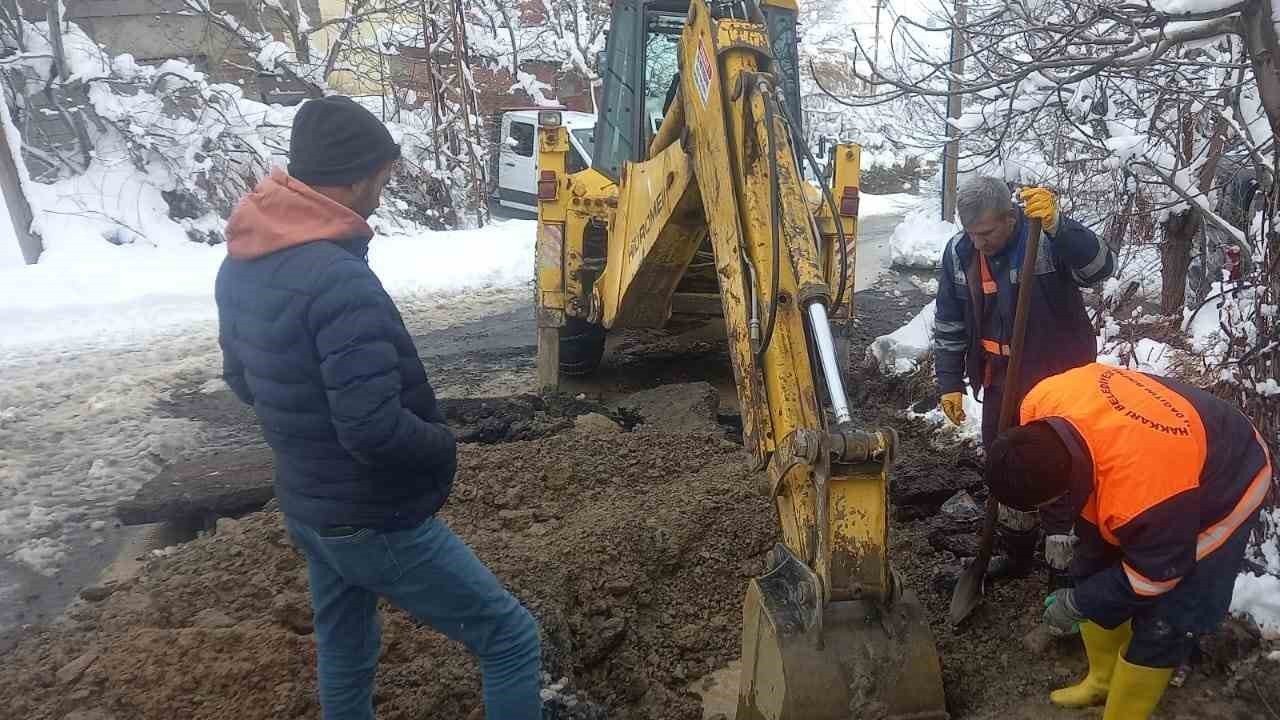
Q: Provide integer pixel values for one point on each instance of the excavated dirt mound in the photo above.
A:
(632, 549)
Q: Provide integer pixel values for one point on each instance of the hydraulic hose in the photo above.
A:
(775, 216)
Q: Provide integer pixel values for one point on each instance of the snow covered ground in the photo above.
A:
(90, 291)
(895, 204)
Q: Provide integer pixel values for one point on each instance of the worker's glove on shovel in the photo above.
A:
(953, 407)
(1041, 204)
(1061, 614)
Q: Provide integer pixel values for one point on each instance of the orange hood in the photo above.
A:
(282, 213)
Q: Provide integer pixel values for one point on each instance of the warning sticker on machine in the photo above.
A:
(702, 73)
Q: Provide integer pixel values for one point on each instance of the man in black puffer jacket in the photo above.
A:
(363, 457)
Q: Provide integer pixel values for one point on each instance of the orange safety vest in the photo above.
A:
(991, 346)
(1148, 444)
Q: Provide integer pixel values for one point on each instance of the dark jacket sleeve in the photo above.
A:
(1082, 253)
(950, 338)
(233, 371)
(1158, 547)
(232, 366)
(353, 324)
(422, 402)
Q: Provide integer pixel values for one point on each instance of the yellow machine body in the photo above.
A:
(689, 228)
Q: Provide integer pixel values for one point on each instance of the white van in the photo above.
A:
(517, 171)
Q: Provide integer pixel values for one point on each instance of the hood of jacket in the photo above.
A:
(283, 212)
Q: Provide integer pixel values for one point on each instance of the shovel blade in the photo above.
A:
(968, 592)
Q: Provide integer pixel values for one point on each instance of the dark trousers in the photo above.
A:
(432, 574)
(1165, 632)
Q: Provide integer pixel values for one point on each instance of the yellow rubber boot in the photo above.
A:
(1103, 648)
(1135, 691)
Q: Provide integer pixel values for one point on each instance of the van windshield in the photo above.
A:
(587, 138)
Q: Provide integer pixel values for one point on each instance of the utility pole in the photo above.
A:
(875, 51)
(11, 186)
(951, 156)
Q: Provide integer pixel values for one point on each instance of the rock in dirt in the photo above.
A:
(685, 407)
(596, 423)
(1038, 641)
(1234, 640)
(228, 483)
(89, 715)
(521, 417)
(212, 618)
(226, 526)
(958, 537)
(923, 485)
(293, 610)
(97, 593)
(72, 671)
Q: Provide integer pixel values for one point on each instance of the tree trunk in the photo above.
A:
(1264, 54)
(1175, 259)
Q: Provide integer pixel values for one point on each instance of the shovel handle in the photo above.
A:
(1011, 395)
(1009, 399)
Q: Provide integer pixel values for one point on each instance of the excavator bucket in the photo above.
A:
(856, 659)
(862, 648)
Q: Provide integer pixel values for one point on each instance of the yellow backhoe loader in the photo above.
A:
(695, 203)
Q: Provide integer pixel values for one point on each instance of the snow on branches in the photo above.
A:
(1134, 111)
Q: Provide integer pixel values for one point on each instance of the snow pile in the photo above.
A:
(968, 431)
(1137, 265)
(899, 351)
(1146, 355)
(1179, 7)
(1258, 596)
(498, 255)
(920, 239)
(871, 205)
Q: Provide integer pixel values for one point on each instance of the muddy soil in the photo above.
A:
(990, 671)
(631, 548)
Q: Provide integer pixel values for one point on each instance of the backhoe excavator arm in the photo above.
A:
(722, 169)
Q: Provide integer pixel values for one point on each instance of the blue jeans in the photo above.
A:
(429, 572)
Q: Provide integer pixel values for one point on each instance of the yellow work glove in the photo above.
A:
(953, 407)
(1041, 204)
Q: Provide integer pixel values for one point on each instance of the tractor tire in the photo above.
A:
(581, 347)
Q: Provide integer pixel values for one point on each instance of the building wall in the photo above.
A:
(155, 30)
(494, 83)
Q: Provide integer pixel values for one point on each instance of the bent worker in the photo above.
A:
(973, 328)
(1166, 482)
(363, 457)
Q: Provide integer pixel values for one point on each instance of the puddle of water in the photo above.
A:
(719, 692)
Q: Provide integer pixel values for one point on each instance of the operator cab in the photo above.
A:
(641, 67)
